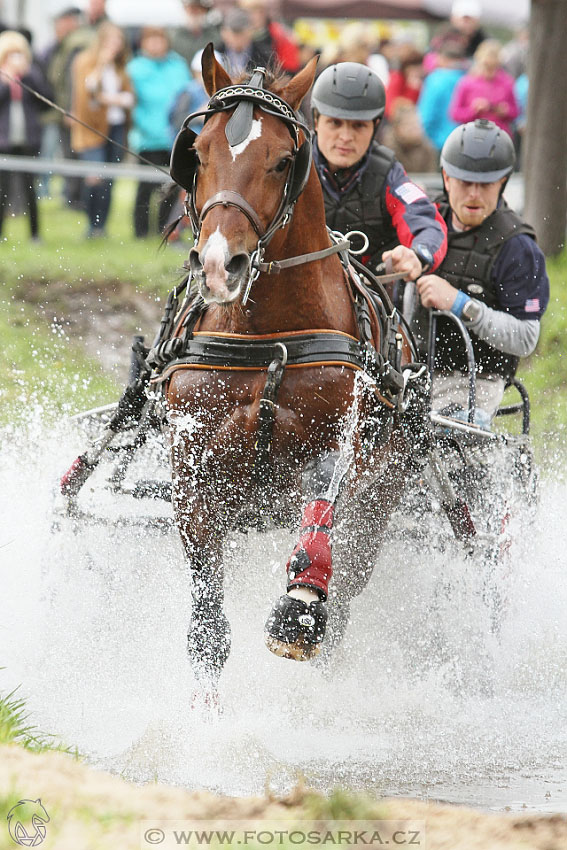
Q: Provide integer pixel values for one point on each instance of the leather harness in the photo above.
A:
(181, 345)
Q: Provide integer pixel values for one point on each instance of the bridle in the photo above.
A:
(184, 162)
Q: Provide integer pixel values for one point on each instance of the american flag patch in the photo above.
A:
(409, 193)
(532, 305)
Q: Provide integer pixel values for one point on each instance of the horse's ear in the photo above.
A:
(299, 85)
(214, 75)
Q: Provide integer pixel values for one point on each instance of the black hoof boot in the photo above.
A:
(295, 629)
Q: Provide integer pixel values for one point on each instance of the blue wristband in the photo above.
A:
(460, 302)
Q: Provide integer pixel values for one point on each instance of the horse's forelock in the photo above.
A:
(275, 79)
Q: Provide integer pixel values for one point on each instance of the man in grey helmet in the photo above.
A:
(493, 276)
(364, 187)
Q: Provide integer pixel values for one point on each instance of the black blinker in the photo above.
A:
(183, 163)
(239, 127)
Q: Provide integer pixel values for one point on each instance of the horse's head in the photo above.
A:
(243, 173)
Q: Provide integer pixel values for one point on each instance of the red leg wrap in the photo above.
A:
(310, 564)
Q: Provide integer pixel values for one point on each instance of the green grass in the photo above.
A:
(41, 368)
(545, 373)
(15, 729)
(65, 254)
(39, 364)
(342, 805)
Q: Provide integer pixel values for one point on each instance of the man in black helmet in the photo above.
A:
(365, 188)
(493, 276)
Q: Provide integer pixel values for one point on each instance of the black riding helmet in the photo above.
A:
(478, 152)
(350, 91)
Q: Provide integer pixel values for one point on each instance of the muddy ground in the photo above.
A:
(92, 810)
(102, 317)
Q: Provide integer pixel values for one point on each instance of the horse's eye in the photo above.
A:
(282, 165)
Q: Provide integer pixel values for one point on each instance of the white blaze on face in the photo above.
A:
(255, 133)
(215, 255)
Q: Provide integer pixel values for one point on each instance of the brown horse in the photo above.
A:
(252, 434)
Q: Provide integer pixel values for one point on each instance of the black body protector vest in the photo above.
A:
(468, 265)
(362, 207)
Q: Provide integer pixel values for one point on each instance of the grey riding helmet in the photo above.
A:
(478, 152)
(350, 91)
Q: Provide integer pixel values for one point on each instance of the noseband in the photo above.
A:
(228, 198)
(184, 164)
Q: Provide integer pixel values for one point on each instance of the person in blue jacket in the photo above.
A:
(158, 75)
(437, 91)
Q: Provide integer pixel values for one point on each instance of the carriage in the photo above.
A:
(286, 390)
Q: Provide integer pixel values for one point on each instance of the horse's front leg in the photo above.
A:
(208, 635)
(296, 625)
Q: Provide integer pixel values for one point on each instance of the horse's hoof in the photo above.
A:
(294, 629)
(298, 651)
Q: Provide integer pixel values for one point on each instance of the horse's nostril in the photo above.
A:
(194, 262)
(238, 265)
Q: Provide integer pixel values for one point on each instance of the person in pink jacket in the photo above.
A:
(487, 91)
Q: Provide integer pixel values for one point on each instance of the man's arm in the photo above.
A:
(505, 332)
(418, 223)
(522, 287)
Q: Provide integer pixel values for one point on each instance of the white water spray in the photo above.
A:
(93, 625)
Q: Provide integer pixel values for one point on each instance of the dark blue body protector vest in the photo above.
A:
(468, 266)
(362, 207)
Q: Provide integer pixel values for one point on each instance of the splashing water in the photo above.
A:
(93, 625)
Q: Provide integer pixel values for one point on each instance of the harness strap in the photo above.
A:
(168, 346)
(228, 351)
(276, 266)
(228, 198)
(266, 416)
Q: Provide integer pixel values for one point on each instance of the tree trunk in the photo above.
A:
(545, 163)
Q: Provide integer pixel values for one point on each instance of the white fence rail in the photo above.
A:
(82, 168)
(431, 183)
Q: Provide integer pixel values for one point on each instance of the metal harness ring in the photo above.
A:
(365, 242)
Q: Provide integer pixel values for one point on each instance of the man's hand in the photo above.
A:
(404, 261)
(436, 292)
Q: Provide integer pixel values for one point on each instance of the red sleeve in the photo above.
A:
(415, 218)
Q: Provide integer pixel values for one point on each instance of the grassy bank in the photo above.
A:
(89, 809)
(64, 254)
(15, 728)
(545, 373)
(43, 362)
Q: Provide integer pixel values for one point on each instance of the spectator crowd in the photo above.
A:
(136, 85)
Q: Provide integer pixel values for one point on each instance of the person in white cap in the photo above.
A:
(464, 29)
(465, 19)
